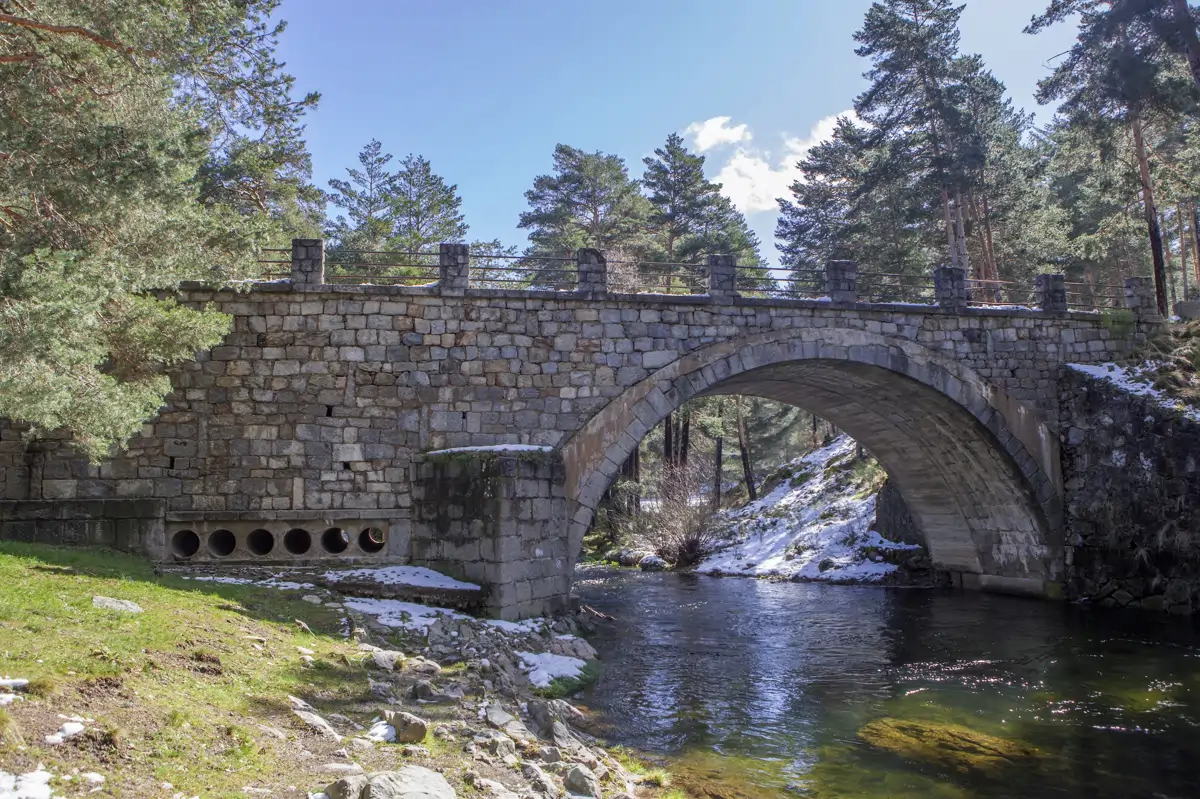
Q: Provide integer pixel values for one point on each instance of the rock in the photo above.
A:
(550, 754)
(582, 782)
(317, 723)
(313, 598)
(420, 665)
(409, 750)
(539, 781)
(424, 691)
(495, 743)
(387, 659)
(494, 789)
(410, 729)
(612, 556)
(350, 787)
(513, 727)
(119, 605)
(343, 768)
(652, 563)
(947, 745)
(632, 557)
(572, 647)
(382, 690)
(307, 661)
(410, 782)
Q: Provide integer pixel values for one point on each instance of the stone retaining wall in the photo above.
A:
(1132, 479)
(130, 525)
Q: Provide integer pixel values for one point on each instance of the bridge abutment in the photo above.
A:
(495, 517)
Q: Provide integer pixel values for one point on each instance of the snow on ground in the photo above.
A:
(494, 448)
(271, 582)
(1131, 380)
(810, 521)
(544, 667)
(402, 615)
(33, 785)
(401, 575)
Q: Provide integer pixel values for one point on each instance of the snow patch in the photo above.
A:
(544, 667)
(271, 582)
(381, 732)
(402, 615)
(809, 529)
(1132, 381)
(401, 575)
(494, 448)
(32, 785)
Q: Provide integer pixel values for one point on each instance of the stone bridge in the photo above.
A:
(331, 422)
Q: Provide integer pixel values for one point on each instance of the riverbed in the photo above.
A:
(749, 688)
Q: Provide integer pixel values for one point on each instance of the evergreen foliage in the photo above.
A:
(155, 143)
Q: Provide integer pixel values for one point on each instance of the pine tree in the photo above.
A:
(368, 198)
(426, 211)
(1118, 72)
(681, 197)
(146, 143)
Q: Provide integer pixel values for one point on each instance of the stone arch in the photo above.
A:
(978, 469)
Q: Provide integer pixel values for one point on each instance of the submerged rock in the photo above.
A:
(948, 745)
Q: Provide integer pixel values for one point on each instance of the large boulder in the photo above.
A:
(410, 782)
(950, 746)
(580, 781)
(501, 719)
(409, 729)
(632, 557)
(350, 787)
(653, 563)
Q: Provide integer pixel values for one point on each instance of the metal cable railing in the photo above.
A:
(381, 267)
(1094, 297)
(765, 282)
(1001, 293)
(657, 277)
(896, 287)
(273, 260)
(524, 272)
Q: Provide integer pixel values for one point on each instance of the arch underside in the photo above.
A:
(963, 491)
(977, 469)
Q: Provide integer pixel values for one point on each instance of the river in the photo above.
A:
(748, 688)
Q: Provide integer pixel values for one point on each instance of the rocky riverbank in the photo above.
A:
(271, 687)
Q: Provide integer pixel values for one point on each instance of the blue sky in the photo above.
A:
(486, 88)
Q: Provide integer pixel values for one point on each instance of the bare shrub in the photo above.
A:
(677, 524)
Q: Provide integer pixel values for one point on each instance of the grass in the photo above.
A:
(10, 734)
(176, 692)
(1174, 358)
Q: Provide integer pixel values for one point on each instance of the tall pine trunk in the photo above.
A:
(744, 445)
(1185, 25)
(1168, 258)
(685, 434)
(1183, 248)
(1151, 215)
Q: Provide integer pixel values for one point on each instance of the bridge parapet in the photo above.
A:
(721, 280)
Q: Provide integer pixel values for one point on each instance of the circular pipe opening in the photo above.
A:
(260, 542)
(335, 540)
(372, 540)
(221, 543)
(297, 541)
(185, 543)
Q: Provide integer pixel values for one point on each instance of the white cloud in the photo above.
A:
(716, 131)
(752, 178)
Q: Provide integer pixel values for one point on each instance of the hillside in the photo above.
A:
(815, 521)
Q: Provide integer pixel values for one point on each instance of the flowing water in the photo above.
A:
(748, 688)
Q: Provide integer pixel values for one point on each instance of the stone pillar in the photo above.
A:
(950, 287)
(1141, 299)
(722, 278)
(498, 519)
(454, 269)
(308, 261)
(593, 272)
(841, 281)
(1052, 293)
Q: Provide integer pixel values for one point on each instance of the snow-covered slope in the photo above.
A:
(813, 525)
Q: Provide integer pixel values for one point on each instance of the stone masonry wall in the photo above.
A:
(497, 519)
(892, 519)
(1132, 477)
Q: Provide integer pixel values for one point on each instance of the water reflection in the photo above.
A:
(837, 691)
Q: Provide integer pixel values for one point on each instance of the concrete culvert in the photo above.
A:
(221, 543)
(335, 540)
(260, 542)
(185, 543)
(372, 540)
(297, 541)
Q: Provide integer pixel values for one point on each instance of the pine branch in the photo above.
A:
(66, 30)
